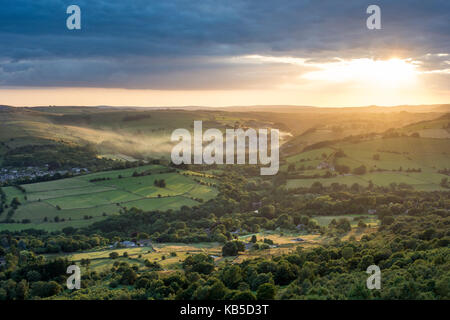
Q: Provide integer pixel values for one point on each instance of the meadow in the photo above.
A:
(387, 161)
(168, 255)
(83, 200)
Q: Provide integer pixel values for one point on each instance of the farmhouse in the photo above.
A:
(325, 165)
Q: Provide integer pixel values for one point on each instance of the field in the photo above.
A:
(394, 162)
(171, 255)
(168, 255)
(82, 200)
(371, 221)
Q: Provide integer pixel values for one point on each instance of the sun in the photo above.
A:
(381, 73)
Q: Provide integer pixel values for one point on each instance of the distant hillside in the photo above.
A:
(439, 108)
(438, 128)
(383, 160)
(140, 133)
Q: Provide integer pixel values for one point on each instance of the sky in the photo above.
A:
(224, 53)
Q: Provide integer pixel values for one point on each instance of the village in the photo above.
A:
(12, 175)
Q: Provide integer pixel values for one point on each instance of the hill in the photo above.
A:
(85, 199)
(387, 161)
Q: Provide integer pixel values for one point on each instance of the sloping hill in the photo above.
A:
(416, 161)
(83, 200)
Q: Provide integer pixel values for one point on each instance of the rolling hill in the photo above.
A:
(83, 200)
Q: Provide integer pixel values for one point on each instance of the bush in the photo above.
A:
(360, 170)
(232, 248)
(113, 255)
(266, 291)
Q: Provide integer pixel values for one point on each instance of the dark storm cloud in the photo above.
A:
(179, 43)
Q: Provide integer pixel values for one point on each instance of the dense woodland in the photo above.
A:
(411, 247)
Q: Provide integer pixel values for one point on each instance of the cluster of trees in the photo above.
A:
(15, 203)
(161, 183)
(149, 172)
(232, 248)
(42, 242)
(2, 201)
(100, 179)
(29, 276)
(411, 251)
(56, 156)
(360, 170)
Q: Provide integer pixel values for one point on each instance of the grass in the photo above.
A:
(428, 154)
(74, 198)
(366, 218)
(306, 183)
(100, 259)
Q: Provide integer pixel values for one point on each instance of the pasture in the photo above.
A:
(82, 200)
(168, 255)
(387, 161)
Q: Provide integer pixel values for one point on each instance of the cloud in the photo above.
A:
(185, 44)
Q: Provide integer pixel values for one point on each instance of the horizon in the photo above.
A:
(176, 54)
(229, 106)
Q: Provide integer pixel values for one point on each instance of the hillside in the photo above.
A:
(141, 133)
(414, 161)
(83, 200)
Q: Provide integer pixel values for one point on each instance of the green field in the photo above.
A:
(370, 220)
(159, 252)
(396, 156)
(80, 201)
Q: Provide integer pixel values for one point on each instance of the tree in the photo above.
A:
(266, 291)
(22, 290)
(129, 276)
(15, 203)
(113, 255)
(85, 263)
(343, 225)
(244, 296)
(347, 253)
(360, 170)
(342, 169)
(200, 263)
(361, 224)
(231, 276)
(33, 276)
(45, 289)
(260, 279)
(268, 211)
(230, 249)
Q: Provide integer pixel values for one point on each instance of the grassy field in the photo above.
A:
(82, 200)
(395, 157)
(168, 255)
(370, 220)
(171, 255)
